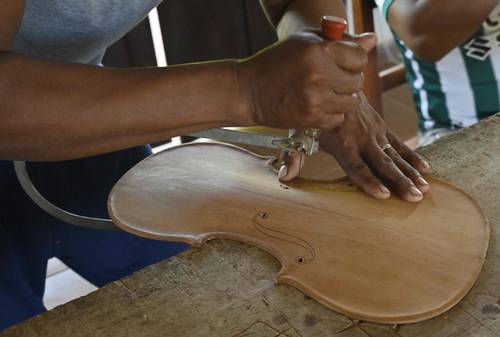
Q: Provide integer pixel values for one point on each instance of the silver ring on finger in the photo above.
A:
(385, 147)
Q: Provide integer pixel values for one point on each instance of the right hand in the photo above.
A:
(304, 81)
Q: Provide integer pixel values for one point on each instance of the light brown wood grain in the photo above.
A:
(381, 261)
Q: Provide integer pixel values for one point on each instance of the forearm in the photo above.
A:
(55, 111)
(432, 28)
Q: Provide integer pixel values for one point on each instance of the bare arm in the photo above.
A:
(432, 28)
(56, 111)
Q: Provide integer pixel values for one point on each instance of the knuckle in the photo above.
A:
(403, 181)
(350, 102)
(357, 169)
(407, 168)
(333, 122)
(349, 84)
(385, 162)
(354, 102)
(399, 145)
(311, 52)
(408, 153)
(413, 173)
(361, 57)
(372, 181)
(401, 163)
(340, 52)
(310, 100)
(313, 77)
(350, 55)
(311, 116)
(344, 140)
(340, 119)
(358, 82)
(399, 159)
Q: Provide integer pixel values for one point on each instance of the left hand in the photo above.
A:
(357, 146)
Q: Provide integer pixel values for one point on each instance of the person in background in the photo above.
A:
(451, 51)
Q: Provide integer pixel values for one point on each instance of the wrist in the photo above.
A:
(243, 107)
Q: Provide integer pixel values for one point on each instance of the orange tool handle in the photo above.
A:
(333, 27)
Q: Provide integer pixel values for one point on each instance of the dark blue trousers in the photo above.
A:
(29, 237)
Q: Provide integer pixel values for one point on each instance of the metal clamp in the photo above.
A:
(307, 142)
(289, 144)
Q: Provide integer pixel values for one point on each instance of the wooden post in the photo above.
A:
(363, 22)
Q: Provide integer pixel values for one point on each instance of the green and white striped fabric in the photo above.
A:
(461, 88)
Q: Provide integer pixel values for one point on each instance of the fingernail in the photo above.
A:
(415, 192)
(426, 165)
(384, 189)
(283, 171)
(421, 181)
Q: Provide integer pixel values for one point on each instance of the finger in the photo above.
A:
(413, 158)
(347, 55)
(291, 167)
(367, 41)
(344, 103)
(386, 169)
(331, 122)
(362, 176)
(343, 81)
(334, 103)
(408, 170)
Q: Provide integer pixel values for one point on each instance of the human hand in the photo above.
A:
(304, 81)
(373, 157)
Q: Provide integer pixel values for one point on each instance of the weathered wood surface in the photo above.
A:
(225, 288)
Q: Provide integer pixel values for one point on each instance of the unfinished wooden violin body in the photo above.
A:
(385, 261)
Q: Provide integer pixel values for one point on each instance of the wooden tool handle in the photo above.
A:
(333, 27)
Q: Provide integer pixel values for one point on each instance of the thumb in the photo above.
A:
(290, 169)
(367, 41)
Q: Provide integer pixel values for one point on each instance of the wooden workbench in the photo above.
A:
(225, 289)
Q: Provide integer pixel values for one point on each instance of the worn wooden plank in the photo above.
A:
(225, 288)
